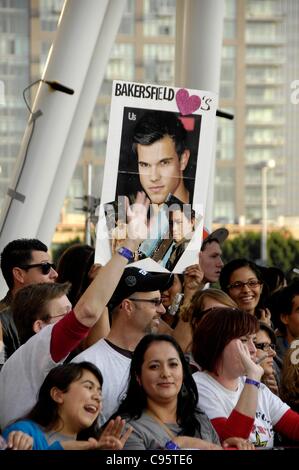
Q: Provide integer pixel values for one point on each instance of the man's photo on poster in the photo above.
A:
(158, 154)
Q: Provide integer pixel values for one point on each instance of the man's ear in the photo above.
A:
(184, 159)
(284, 318)
(38, 325)
(127, 306)
(57, 395)
(18, 275)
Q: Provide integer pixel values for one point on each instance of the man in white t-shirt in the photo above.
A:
(56, 330)
(135, 309)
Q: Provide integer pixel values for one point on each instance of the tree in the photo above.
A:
(283, 249)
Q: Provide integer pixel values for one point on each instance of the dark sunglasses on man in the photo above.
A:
(44, 267)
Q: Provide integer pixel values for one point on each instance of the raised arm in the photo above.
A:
(91, 305)
(71, 330)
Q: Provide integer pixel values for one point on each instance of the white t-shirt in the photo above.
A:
(115, 369)
(218, 402)
(22, 376)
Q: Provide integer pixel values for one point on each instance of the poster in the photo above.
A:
(160, 141)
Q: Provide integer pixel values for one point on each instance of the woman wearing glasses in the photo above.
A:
(229, 386)
(241, 279)
(265, 343)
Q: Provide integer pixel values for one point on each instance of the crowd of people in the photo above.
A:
(115, 357)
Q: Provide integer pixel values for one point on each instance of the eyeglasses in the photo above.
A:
(265, 346)
(156, 302)
(252, 283)
(61, 315)
(45, 267)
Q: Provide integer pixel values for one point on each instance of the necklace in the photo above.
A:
(163, 425)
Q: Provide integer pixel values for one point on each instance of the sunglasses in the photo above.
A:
(265, 346)
(156, 302)
(44, 267)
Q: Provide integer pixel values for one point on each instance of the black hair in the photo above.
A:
(45, 412)
(17, 253)
(208, 241)
(73, 266)
(154, 125)
(136, 400)
(274, 277)
(281, 302)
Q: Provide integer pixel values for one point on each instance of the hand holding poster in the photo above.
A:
(159, 142)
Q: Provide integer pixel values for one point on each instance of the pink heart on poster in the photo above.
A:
(187, 104)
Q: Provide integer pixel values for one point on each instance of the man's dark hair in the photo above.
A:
(281, 302)
(17, 253)
(31, 303)
(154, 125)
(207, 242)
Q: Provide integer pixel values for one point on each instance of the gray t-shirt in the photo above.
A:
(149, 434)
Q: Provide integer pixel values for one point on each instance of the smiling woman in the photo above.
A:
(65, 415)
(242, 280)
(161, 401)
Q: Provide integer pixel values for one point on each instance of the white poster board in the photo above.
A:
(160, 141)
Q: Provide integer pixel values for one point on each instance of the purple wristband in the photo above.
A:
(253, 382)
(126, 253)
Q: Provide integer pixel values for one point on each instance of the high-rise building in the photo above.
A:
(253, 88)
(259, 63)
(14, 77)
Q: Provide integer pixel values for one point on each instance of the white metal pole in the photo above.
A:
(88, 195)
(264, 171)
(81, 118)
(67, 63)
(199, 36)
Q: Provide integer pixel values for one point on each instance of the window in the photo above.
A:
(225, 149)
(229, 19)
(127, 23)
(49, 14)
(121, 65)
(159, 17)
(158, 63)
(227, 84)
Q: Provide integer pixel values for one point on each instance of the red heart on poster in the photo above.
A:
(187, 104)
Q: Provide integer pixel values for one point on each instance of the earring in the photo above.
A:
(184, 391)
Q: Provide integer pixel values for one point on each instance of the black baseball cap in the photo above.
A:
(138, 280)
(220, 234)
